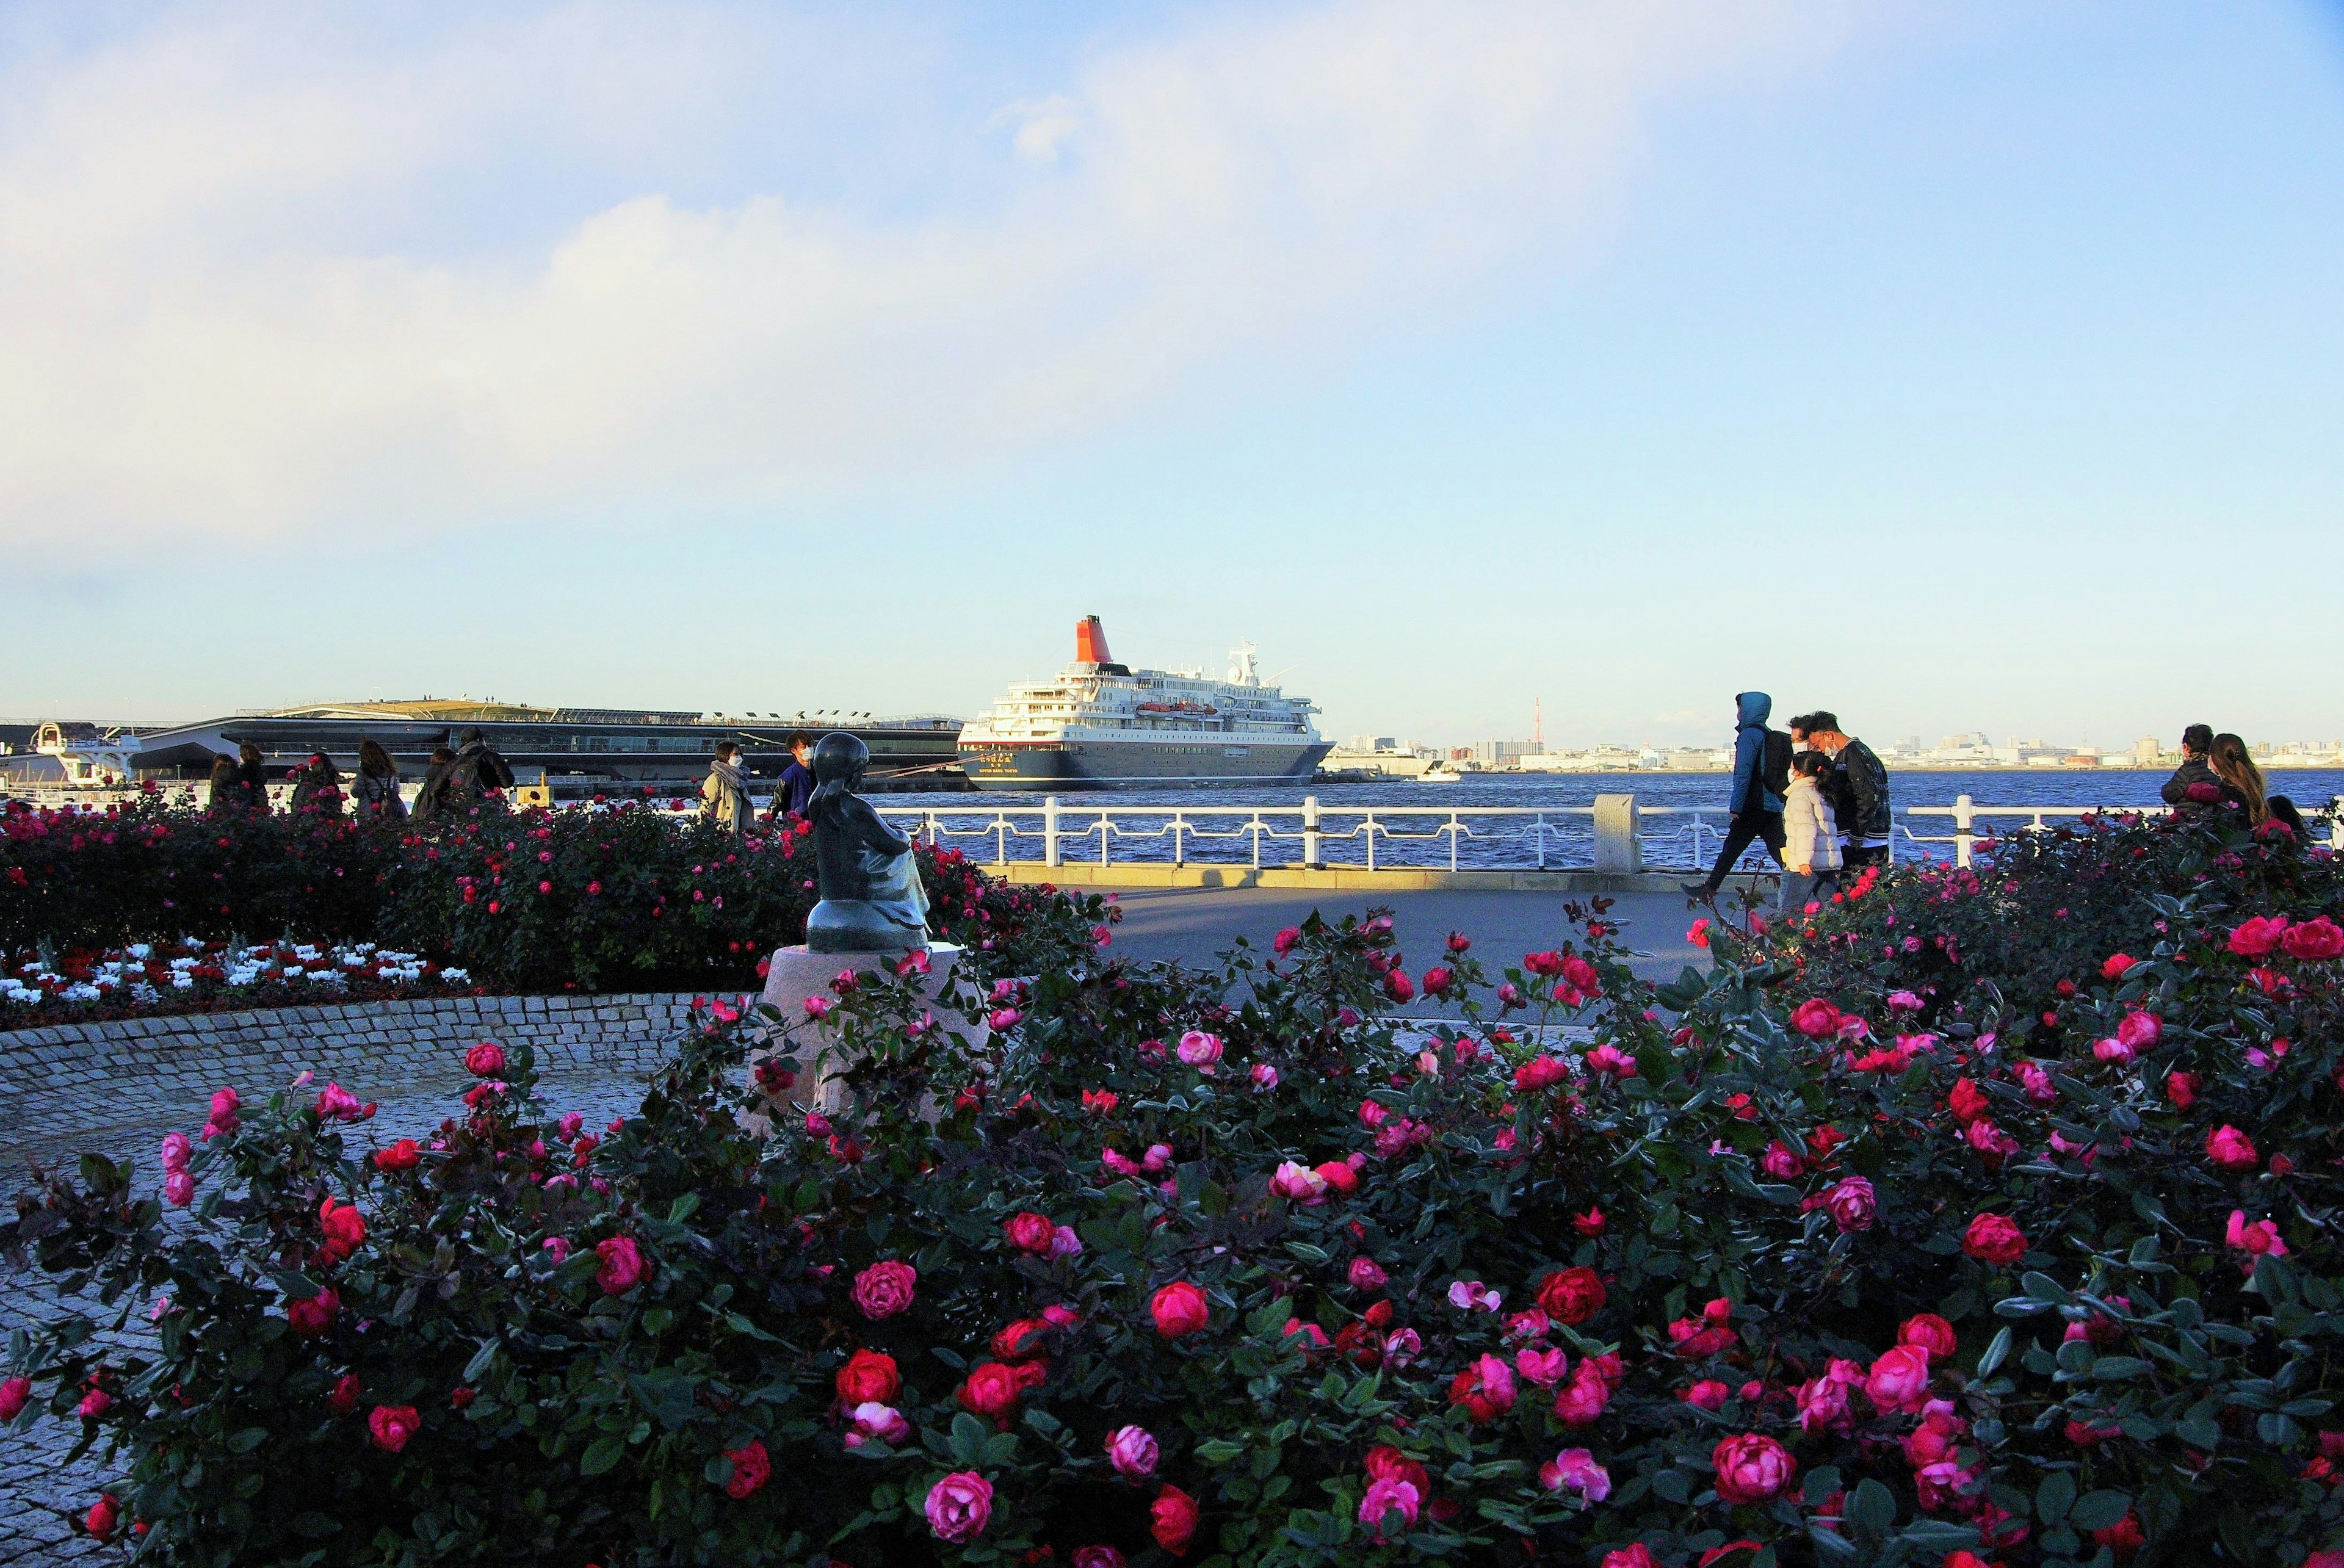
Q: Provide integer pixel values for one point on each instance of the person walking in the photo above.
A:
(724, 794)
(227, 789)
(2241, 780)
(318, 786)
(1856, 786)
(1761, 771)
(2196, 742)
(795, 789)
(377, 782)
(252, 777)
(431, 794)
(1812, 856)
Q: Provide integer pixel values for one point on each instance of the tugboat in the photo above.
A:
(1099, 724)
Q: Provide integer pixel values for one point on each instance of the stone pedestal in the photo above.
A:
(1617, 848)
(794, 974)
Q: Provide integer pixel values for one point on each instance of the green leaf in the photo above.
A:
(1996, 1352)
(2042, 1287)
(968, 1435)
(1219, 1450)
(2055, 1497)
(2199, 1434)
(1871, 1510)
(683, 1208)
(2112, 1368)
(296, 1285)
(740, 1325)
(248, 1440)
(2098, 1509)
(481, 1360)
(603, 1454)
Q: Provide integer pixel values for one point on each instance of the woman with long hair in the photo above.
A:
(252, 776)
(227, 788)
(2239, 775)
(377, 782)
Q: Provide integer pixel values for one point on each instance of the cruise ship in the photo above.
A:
(1099, 724)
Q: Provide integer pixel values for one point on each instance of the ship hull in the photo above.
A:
(1204, 762)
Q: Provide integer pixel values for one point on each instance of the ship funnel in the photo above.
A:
(1090, 642)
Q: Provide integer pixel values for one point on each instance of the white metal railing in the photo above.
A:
(1506, 837)
(1966, 814)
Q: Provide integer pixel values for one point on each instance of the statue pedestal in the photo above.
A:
(794, 974)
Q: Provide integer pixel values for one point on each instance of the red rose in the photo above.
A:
(1031, 1233)
(992, 1390)
(1539, 1072)
(345, 1397)
(2315, 939)
(1968, 1101)
(1751, 1468)
(345, 1229)
(751, 1468)
(2116, 966)
(884, 1289)
(315, 1316)
(484, 1060)
(2258, 936)
(1338, 1175)
(2231, 1149)
(623, 1265)
(1180, 1309)
(1436, 981)
(1571, 1296)
(2181, 1088)
(1485, 1389)
(1851, 1203)
(1399, 989)
(403, 1154)
(1387, 1463)
(1021, 1338)
(869, 1377)
(1929, 1331)
(1993, 1239)
(1816, 1018)
(392, 1425)
(103, 1516)
(1173, 1520)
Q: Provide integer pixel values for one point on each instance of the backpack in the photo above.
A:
(1775, 762)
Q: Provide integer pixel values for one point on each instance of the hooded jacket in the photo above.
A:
(1752, 710)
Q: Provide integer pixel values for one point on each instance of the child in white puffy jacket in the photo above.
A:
(1811, 855)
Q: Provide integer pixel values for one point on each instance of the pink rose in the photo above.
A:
(1583, 1399)
(1709, 1394)
(1822, 1405)
(177, 1150)
(2255, 1239)
(960, 1506)
(1993, 1239)
(1437, 981)
(1751, 1468)
(1930, 1332)
(1485, 1390)
(624, 1265)
(1133, 1451)
(1283, 943)
(223, 1118)
(1540, 1365)
(484, 1060)
(1200, 1050)
(178, 1188)
(1574, 1470)
(2258, 936)
(1030, 1232)
(1264, 1075)
(1899, 1380)
(14, 1395)
(2231, 1149)
(1385, 1498)
(875, 1422)
(1473, 1296)
(2140, 1030)
(1539, 1072)
(1816, 1018)
(2315, 939)
(1298, 1182)
(1781, 1162)
(1367, 1274)
(338, 1104)
(1001, 1020)
(884, 1289)
(1851, 1203)
(1399, 987)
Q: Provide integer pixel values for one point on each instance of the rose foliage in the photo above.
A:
(1740, 1282)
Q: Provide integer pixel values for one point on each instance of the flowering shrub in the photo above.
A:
(195, 976)
(1743, 1283)
(626, 895)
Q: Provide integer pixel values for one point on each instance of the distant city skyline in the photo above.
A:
(1919, 364)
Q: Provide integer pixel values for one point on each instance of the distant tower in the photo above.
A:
(1538, 727)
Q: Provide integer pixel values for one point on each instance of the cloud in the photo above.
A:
(264, 279)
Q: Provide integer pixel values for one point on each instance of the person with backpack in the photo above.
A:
(377, 781)
(431, 794)
(1856, 785)
(1762, 775)
(476, 774)
(318, 786)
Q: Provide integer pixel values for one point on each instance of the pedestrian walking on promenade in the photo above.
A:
(252, 777)
(318, 786)
(2196, 742)
(795, 789)
(1812, 856)
(431, 794)
(477, 773)
(1856, 786)
(377, 782)
(2241, 780)
(227, 789)
(724, 794)
(1761, 771)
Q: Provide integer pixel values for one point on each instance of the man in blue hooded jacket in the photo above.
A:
(1757, 800)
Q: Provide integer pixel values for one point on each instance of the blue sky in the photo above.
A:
(1954, 368)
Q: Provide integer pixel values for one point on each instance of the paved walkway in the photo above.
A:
(1191, 925)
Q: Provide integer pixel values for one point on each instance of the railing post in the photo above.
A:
(1617, 848)
(1178, 821)
(1962, 816)
(1049, 830)
(1453, 835)
(1104, 831)
(1001, 839)
(1310, 833)
(1541, 832)
(1367, 827)
(1255, 825)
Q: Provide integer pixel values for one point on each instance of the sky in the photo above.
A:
(1952, 368)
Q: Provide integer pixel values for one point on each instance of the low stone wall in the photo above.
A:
(75, 1087)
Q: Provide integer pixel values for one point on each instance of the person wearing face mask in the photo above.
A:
(1856, 786)
(793, 791)
(724, 794)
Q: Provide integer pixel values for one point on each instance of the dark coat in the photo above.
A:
(792, 791)
(252, 779)
(1857, 788)
(2192, 771)
(1752, 710)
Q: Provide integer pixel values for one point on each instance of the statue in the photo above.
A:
(872, 899)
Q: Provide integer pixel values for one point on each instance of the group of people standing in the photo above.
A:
(2217, 770)
(724, 792)
(1815, 797)
(452, 780)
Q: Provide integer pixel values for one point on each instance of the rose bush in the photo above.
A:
(1741, 1285)
(625, 895)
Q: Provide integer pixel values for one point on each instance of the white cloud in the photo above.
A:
(221, 320)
